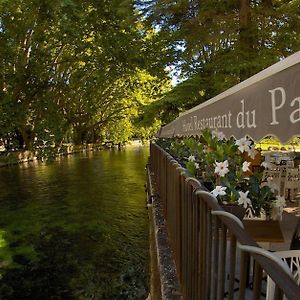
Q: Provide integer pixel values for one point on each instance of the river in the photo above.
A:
(75, 229)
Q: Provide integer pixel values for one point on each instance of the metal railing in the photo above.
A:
(215, 257)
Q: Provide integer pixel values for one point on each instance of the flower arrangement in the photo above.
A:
(225, 166)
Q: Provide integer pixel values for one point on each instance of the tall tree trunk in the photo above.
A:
(28, 137)
(80, 135)
(246, 43)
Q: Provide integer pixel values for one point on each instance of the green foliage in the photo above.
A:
(190, 166)
(119, 132)
(220, 163)
(182, 97)
(217, 44)
(215, 31)
(69, 69)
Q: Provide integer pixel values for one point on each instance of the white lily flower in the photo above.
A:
(191, 158)
(252, 152)
(218, 134)
(244, 144)
(244, 200)
(196, 166)
(219, 190)
(246, 165)
(221, 168)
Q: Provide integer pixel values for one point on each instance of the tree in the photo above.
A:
(148, 90)
(221, 42)
(28, 53)
(69, 67)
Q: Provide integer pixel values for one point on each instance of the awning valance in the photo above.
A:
(267, 103)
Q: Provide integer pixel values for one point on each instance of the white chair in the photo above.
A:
(290, 164)
(292, 259)
(283, 170)
(291, 183)
(274, 176)
(249, 215)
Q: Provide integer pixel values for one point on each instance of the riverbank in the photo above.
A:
(17, 157)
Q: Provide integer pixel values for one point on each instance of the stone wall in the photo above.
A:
(16, 157)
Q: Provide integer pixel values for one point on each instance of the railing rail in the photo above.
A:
(205, 241)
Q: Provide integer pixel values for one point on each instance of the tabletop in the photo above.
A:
(273, 235)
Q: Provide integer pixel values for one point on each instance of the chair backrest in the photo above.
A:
(283, 170)
(283, 162)
(292, 259)
(274, 176)
(291, 179)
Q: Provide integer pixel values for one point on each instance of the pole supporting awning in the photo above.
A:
(267, 103)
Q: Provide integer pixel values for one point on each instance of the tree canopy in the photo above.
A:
(218, 43)
(94, 71)
(72, 68)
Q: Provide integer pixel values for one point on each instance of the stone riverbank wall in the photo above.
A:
(16, 157)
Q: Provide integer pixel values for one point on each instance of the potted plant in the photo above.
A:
(224, 166)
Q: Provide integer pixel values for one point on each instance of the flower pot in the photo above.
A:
(237, 210)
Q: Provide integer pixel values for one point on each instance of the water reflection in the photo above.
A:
(76, 229)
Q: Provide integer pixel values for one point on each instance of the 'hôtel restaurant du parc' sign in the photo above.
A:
(266, 104)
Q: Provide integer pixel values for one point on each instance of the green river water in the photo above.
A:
(75, 229)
